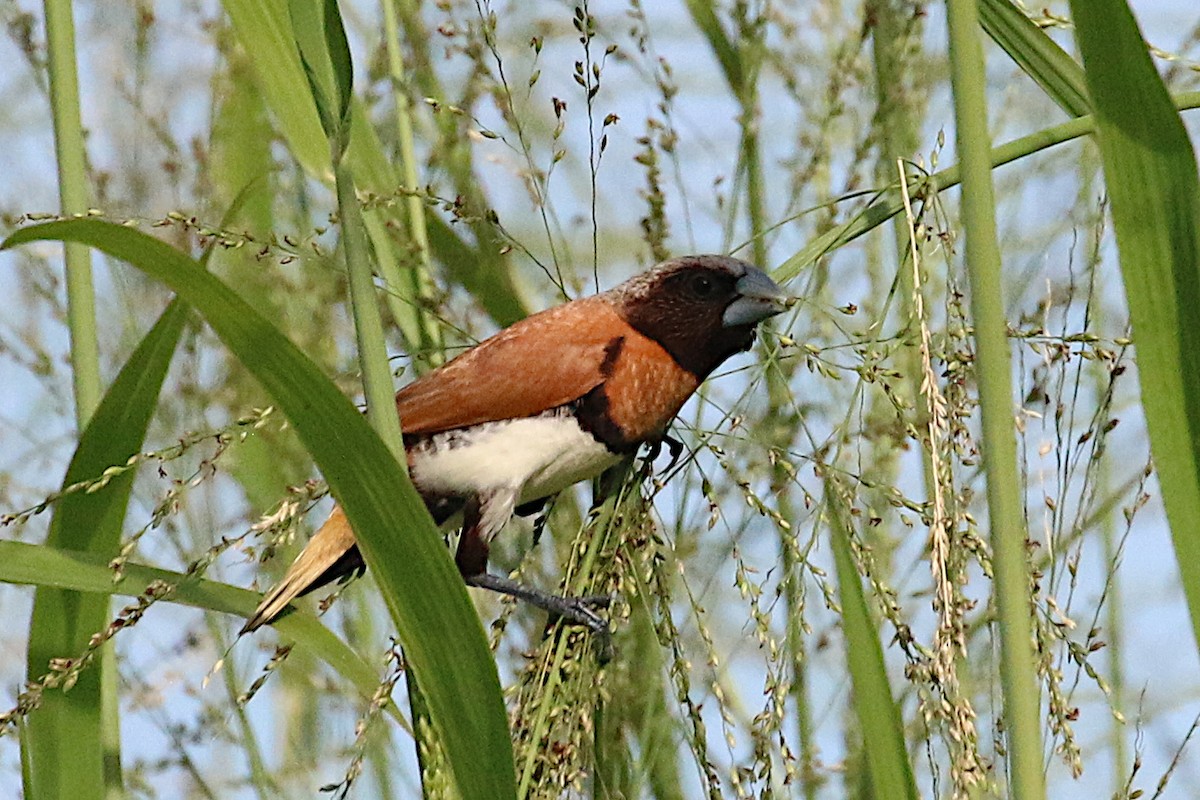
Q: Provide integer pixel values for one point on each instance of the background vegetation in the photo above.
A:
(853, 584)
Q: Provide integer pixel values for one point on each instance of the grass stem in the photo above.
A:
(993, 373)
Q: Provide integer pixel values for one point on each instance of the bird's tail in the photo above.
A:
(331, 553)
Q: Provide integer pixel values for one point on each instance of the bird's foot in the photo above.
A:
(579, 610)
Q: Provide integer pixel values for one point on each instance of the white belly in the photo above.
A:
(537, 457)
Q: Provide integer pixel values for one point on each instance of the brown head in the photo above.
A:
(701, 309)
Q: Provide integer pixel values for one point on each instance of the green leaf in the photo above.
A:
(49, 567)
(265, 32)
(441, 633)
(308, 27)
(325, 55)
(1150, 172)
(879, 718)
(1038, 56)
(339, 57)
(63, 742)
(240, 146)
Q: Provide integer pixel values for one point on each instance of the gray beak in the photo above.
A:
(760, 298)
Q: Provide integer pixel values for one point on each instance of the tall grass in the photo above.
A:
(885, 564)
(1005, 506)
(63, 621)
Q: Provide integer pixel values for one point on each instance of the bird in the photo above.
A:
(547, 402)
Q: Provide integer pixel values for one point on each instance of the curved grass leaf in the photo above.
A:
(66, 570)
(888, 203)
(1150, 173)
(62, 742)
(441, 633)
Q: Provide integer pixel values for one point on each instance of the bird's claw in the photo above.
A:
(581, 611)
(574, 609)
(596, 600)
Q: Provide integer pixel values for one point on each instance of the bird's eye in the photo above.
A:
(702, 285)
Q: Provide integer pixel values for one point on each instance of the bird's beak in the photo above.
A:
(759, 298)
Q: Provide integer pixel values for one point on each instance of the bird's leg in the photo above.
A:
(484, 515)
(573, 609)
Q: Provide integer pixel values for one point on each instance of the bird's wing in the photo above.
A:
(542, 362)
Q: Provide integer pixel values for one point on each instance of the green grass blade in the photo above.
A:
(378, 388)
(326, 45)
(73, 191)
(266, 36)
(63, 742)
(1038, 56)
(442, 635)
(879, 719)
(1150, 172)
(339, 58)
(325, 56)
(993, 375)
(77, 572)
(428, 334)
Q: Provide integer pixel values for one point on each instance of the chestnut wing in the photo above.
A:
(542, 362)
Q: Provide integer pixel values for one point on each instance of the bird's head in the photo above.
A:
(701, 309)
